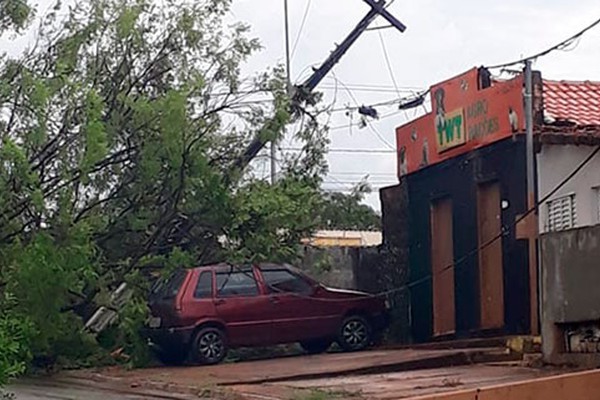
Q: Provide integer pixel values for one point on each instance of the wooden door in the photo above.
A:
(491, 276)
(442, 267)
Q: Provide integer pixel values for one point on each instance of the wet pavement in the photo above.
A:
(294, 368)
(377, 375)
(408, 384)
(38, 389)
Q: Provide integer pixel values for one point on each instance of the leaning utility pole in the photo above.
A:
(302, 92)
(288, 67)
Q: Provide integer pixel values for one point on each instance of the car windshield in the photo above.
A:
(301, 273)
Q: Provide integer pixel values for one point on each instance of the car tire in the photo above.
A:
(355, 334)
(209, 346)
(316, 346)
(171, 357)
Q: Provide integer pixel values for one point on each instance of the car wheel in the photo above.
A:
(316, 346)
(210, 346)
(171, 356)
(355, 334)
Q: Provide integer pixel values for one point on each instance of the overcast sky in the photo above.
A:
(443, 39)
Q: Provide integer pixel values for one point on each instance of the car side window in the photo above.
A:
(236, 283)
(204, 286)
(283, 280)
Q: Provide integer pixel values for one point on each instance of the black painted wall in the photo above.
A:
(458, 178)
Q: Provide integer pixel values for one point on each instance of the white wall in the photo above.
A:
(555, 163)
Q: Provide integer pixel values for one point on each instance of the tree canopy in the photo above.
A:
(346, 211)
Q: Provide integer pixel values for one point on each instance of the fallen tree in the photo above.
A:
(118, 127)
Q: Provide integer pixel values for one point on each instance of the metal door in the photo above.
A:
(491, 277)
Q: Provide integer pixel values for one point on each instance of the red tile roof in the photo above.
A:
(575, 102)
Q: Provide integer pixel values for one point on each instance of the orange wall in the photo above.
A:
(463, 119)
(575, 386)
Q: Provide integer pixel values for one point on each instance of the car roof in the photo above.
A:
(247, 266)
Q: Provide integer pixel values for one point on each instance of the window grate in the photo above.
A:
(562, 213)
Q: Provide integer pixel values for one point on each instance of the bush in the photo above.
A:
(16, 332)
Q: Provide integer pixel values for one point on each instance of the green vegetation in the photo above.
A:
(118, 132)
(346, 211)
(14, 14)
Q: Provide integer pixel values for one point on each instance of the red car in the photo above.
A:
(203, 312)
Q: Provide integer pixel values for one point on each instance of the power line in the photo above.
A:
(357, 124)
(388, 63)
(298, 35)
(338, 150)
(375, 131)
(394, 101)
(560, 46)
(362, 173)
(380, 136)
(378, 86)
(370, 89)
(460, 262)
(514, 224)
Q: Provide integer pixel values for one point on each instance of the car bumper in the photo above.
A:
(169, 337)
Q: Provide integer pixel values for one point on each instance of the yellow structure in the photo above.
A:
(344, 239)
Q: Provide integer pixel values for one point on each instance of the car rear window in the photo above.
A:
(168, 288)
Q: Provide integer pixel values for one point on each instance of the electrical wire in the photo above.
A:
(560, 46)
(298, 35)
(514, 224)
(375, 131)
(460, 262)
(380, 136)
(337, 150)
(388, 62)
(356, 124)
(362, 173)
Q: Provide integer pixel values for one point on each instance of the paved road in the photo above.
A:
(45, 389)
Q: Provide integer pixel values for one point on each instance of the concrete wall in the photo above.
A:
(555, 162)
(369, 269)
(333, 266)
(570, 290)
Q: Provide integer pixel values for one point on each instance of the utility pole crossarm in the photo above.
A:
(302, 92)
(377, 8)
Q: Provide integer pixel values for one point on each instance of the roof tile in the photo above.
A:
(577, 102)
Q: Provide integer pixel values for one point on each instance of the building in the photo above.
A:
(462, 197)
(344, 239)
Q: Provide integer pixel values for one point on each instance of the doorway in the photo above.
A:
(442, 267)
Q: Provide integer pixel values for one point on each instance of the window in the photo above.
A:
(166, 289)
(282, 280)
(236, 283)
(562, 213)
(204, 286)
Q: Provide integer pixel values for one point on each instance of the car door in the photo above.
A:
(297, 314)
(242, 305)
(198, 303)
